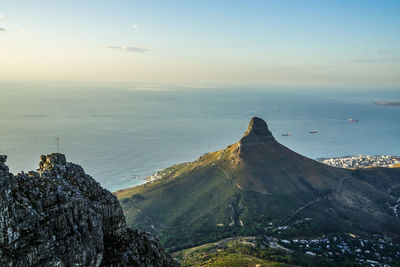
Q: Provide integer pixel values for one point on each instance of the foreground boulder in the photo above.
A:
(60, 216)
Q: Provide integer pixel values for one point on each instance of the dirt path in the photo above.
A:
(238, 185)
(339, 188)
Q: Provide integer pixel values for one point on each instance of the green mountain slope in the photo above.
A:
(256, 186)
(245, 251)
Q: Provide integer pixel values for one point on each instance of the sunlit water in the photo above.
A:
(120, 136)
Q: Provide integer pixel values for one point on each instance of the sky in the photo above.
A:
(197, 43)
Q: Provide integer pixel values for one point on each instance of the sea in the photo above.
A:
(120, 133)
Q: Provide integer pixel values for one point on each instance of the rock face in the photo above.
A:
(60, 216)
(257, 134)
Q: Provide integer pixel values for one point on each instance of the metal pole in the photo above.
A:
(58, 143)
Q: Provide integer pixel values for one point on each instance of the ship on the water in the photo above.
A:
(313, 131)
(287, 134)
(352, 120)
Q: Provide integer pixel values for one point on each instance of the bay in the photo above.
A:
(120, 135)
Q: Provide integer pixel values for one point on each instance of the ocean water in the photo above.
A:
(119, 136)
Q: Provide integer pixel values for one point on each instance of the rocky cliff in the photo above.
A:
(60, 216)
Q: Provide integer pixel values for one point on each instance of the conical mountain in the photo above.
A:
(269, 167)
(256, 186)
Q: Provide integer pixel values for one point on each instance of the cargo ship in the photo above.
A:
(313, 131)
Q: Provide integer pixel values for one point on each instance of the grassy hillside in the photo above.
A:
(258, 186)
(244, 251)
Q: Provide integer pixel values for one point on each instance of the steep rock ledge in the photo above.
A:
(60, 216)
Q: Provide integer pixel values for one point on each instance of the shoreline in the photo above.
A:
(387, 103)
(159, 175)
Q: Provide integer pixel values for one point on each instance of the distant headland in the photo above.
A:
(387, 103)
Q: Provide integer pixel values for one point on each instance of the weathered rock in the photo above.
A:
(60, 216)
(257, 134)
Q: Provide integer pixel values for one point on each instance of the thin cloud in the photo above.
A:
(136, 49)
(149, 89)
(135, 26)
(385, 52)
(2, 29)
(375, 60)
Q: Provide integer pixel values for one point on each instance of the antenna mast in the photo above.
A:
(58, 143)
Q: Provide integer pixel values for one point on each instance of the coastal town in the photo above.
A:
(375, 250)
(363, 161)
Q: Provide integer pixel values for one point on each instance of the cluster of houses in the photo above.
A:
(362, 161)
(374, 251)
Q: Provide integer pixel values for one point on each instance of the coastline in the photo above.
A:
(387, 103)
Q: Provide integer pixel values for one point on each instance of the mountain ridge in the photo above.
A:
(251, 184)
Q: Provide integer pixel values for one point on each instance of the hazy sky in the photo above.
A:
(298, 42)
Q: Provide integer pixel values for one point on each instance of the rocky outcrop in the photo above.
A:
(60, 216)
(257, 134)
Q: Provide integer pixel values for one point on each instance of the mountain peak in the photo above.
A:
(257, 133)
(251, 183)
(257, 126)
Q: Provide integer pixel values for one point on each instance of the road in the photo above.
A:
(339, 188)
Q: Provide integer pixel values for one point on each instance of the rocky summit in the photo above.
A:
(60, 216)
(257, 133)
